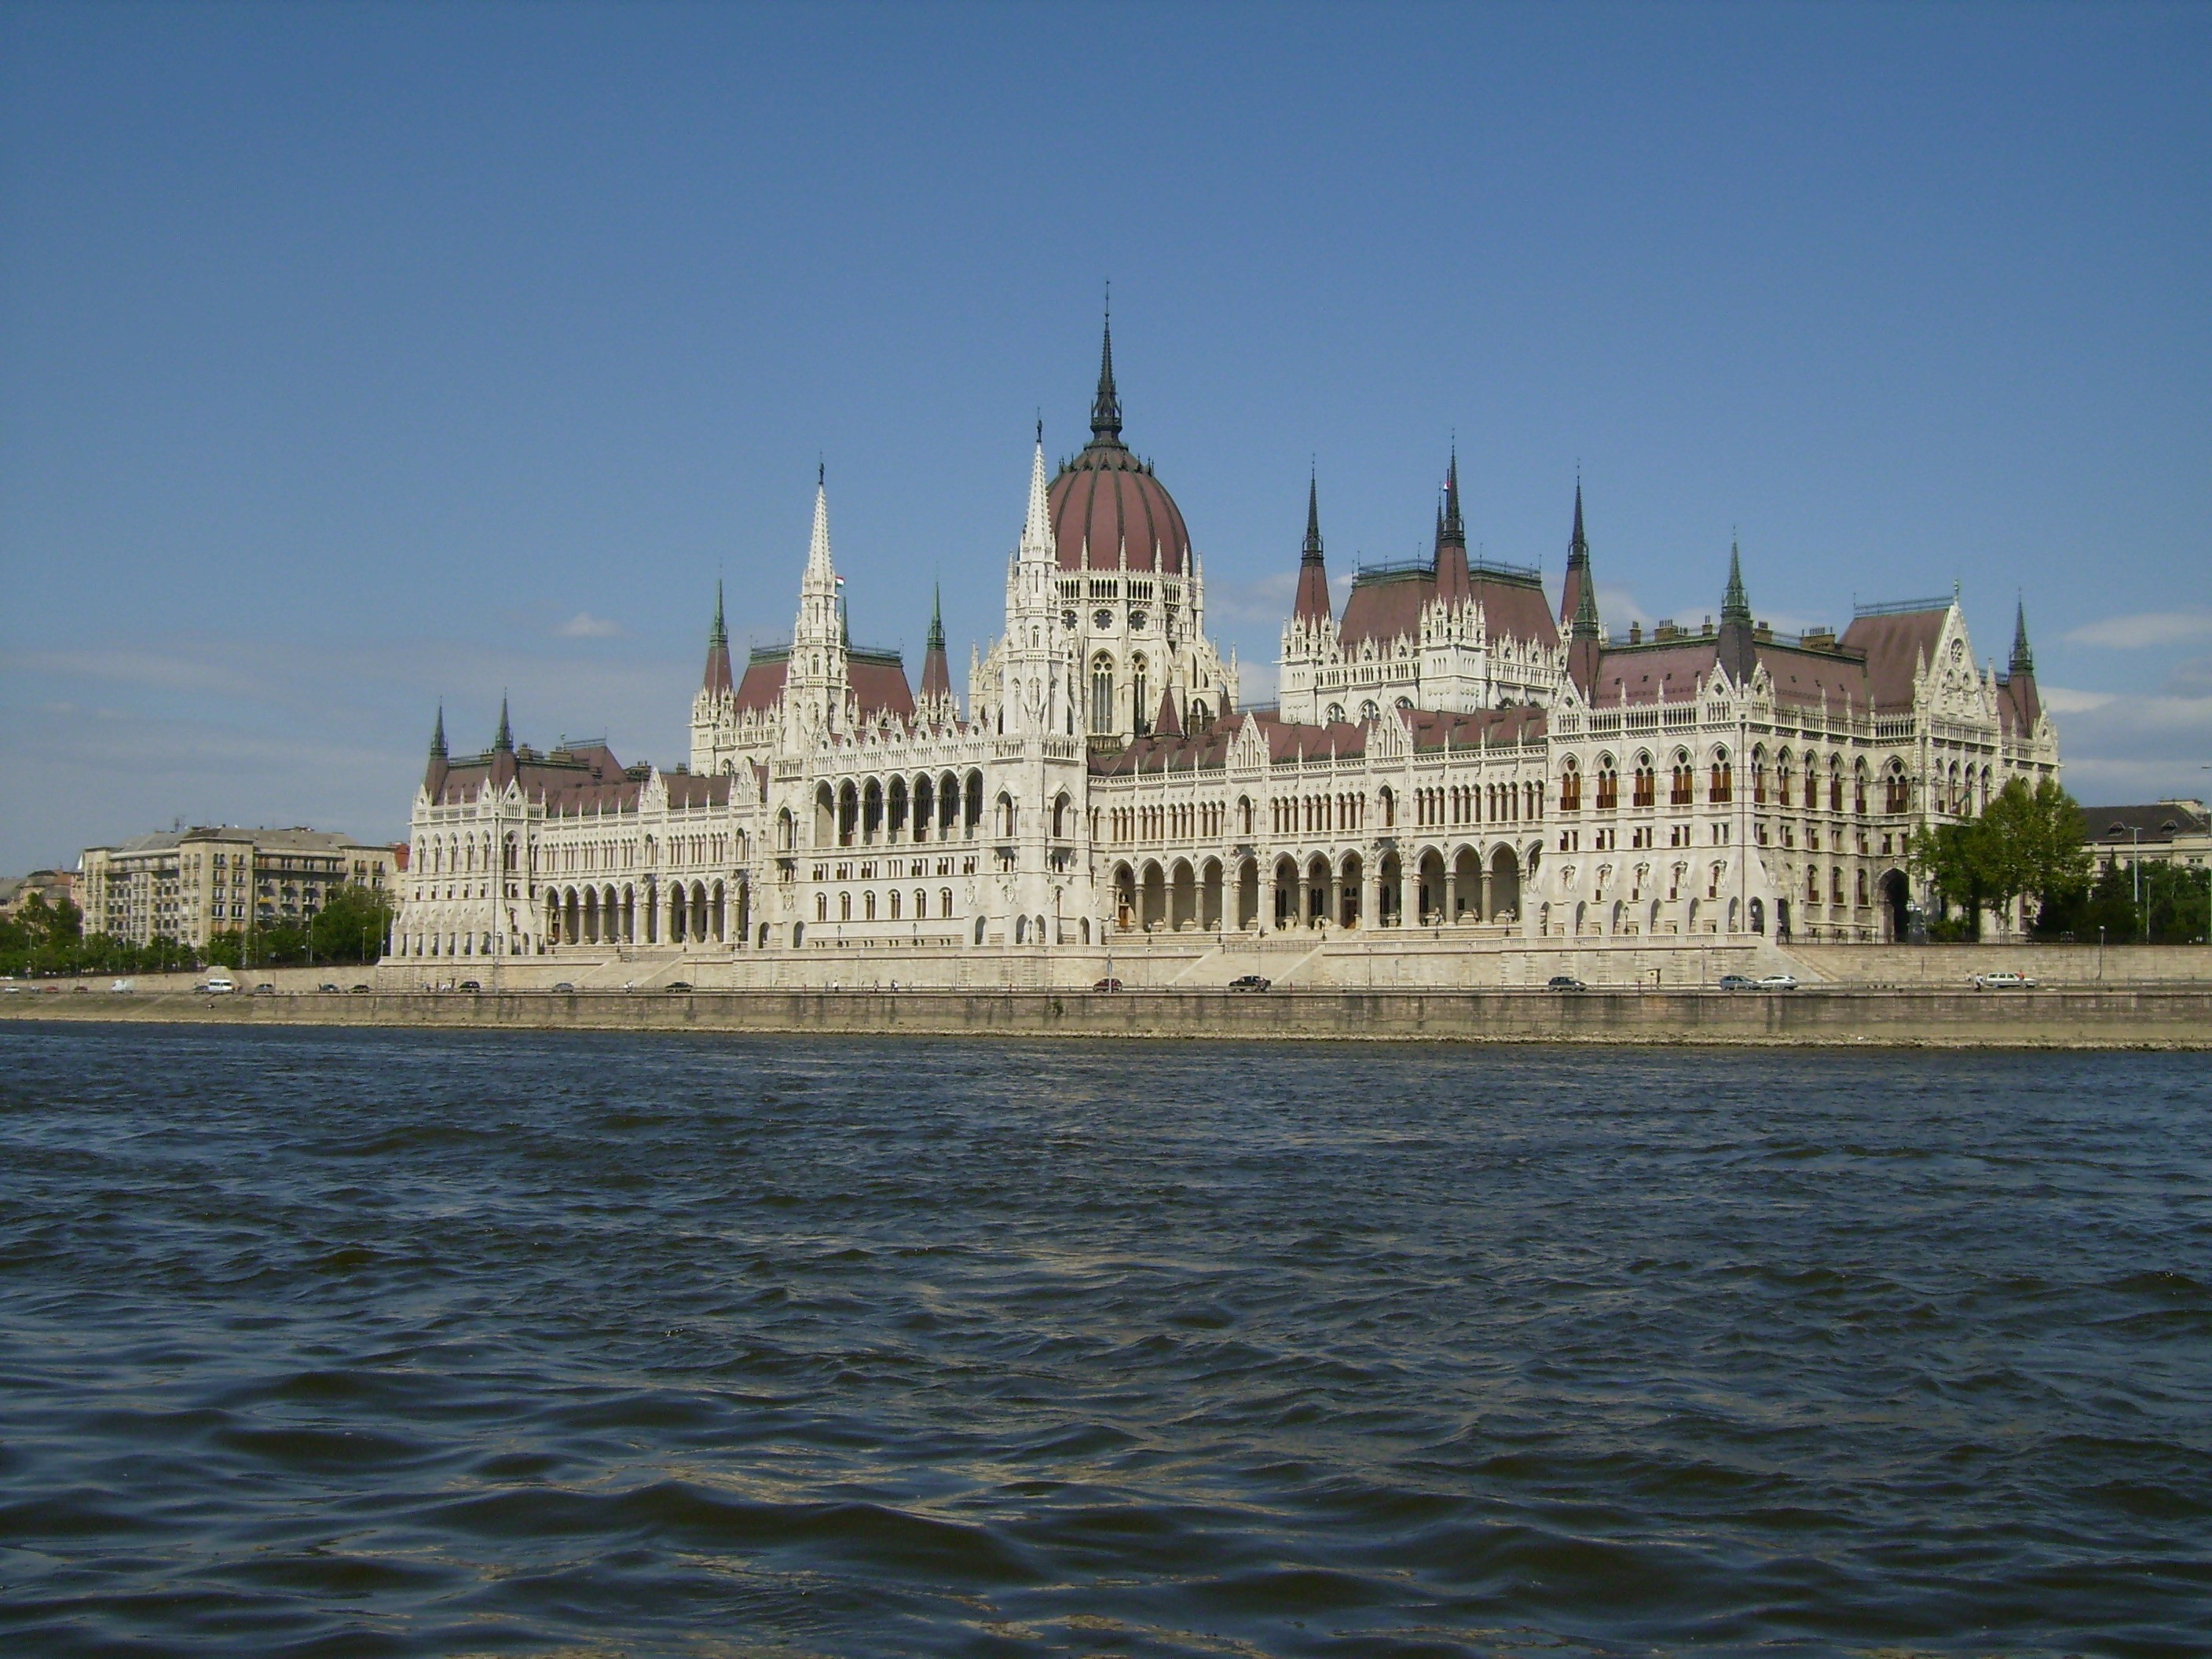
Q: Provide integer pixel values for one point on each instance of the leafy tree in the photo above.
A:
(352, 927)
(2027, 842)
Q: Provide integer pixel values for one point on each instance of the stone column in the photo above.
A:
(1266, 919)
(1371, 891)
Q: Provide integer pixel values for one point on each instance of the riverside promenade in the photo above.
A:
(2134, 1017)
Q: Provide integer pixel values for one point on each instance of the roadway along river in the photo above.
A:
(367, 1342)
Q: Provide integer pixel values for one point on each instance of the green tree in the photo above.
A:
(352, 927)
(2028, 841)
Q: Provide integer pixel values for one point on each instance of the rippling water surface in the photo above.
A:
(380, 1343)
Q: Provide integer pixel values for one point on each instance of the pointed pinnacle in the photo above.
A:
(936, 619)
(438, 734)
(1734, 607)
(1106, 408)
(2023, 659)
(720, 634)
(1313, 518)
(505, 740)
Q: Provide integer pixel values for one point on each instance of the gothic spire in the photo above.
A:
(1454, 529)
(1036, 527)
(1312, 606)
(1453, 586)
(818, 544)
(936, 672)
(1734, 607)
(504, 743)
(1106, 407)
(717, 678)
(1578, 576)
(1738, 649)
(434, 774)
(2023, 660)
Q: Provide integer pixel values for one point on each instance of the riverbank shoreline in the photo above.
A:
(2137, 1017)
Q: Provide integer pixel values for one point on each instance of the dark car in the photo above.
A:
(469, 985)
(357, 989)
(1250, 982)
(1564, 982)
(677, 985)
(1738, 982)
(1108, 984)
(264, 990)
(563, 987)
(324, 987)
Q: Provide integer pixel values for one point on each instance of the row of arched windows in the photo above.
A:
(893, 902)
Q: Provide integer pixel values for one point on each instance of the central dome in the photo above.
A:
(1106, 505)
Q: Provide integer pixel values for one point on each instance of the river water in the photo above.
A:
(409, 1343)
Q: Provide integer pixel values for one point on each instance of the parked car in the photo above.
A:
(357, 989)
(469, 985)
(326, 985)
(1564, 982)
(2004, 981)
(122, 986)
(1778, 982)
(677, 985)
(217, 984)
(264, 989)
(1250, 982)
(563, 987)
(1108, 983)
(1738, 982)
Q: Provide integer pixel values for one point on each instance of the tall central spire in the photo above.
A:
(1106, 407)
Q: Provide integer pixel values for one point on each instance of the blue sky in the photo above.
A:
(362, 356)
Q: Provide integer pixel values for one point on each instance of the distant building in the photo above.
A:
(2163, 832)
(55, 886)
(190, 884)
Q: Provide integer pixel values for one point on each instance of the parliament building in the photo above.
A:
(1454, 765)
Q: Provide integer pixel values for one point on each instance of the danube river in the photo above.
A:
(402, 1343)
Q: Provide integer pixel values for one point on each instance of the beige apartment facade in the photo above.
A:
(190, 884)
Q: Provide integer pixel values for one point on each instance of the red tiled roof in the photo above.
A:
(1893, 646)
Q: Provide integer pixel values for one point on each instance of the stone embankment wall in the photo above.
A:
(2151, 1017)
(2046, 964)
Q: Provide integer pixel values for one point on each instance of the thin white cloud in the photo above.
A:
(2144, 627)
(585, 626)
(2065, 700)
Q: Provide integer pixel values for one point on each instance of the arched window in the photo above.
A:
(1835, 791)
(1679, 781)
(945, 902)
(1335, 715)
(1570, 786)
(1102, 693)
(1368, 713)
(1721, 788)
(844, 907)
(1646, 783)
(1608, 784)
(822, 907)
(868, 905)
(1140, 696)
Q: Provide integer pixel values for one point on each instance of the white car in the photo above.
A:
(123, 988)
(2004, 981)
(1778, 982)
(218, 984)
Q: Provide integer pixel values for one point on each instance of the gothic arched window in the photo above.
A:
(1102, 693)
